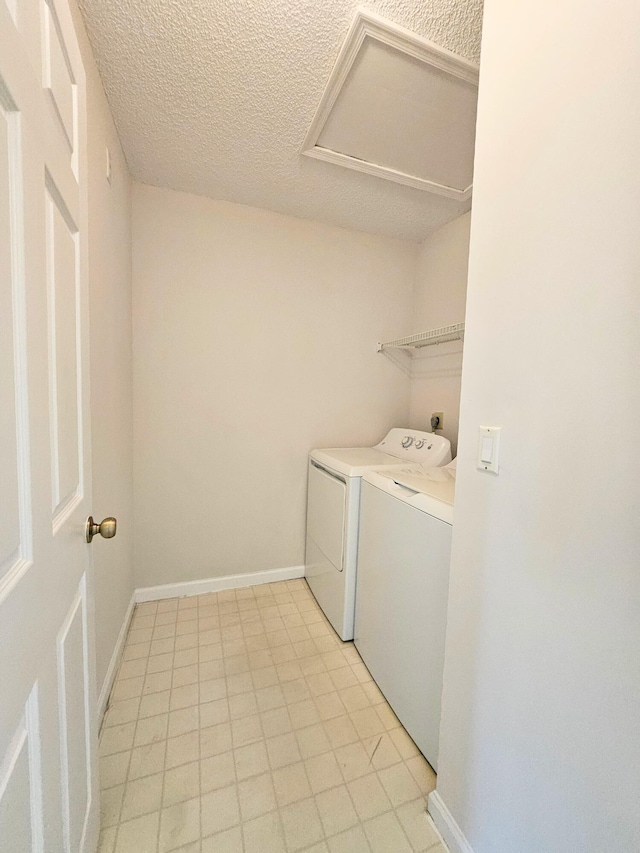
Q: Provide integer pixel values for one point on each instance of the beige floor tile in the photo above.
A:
(423, 773)
(113, 769)
(353, 761)
(211, 670)
(323, 772)
(264, 834)
(147, 760)
(212, 713)
(210, 691)
(373, 693)
(329, 706)
(246, 730)
(388, 718)
(183, 721)
(107, 840)
(256, 796)
(110, 804)
(367, 722)
(381, 751)
(352, 841)
(242, 705)
(251, 760)
(211, 652)
(269, 698)
(142, 796)
(185, 657)
(320, 683)
(283, 750)
(127, 688)
(229, 841)
(354, 698)
(369, 796)
(156, 682)
(418, 826)
(241, 683)
(123, 711)
(186, 696)
(179, 825)
(215, 740)
(296, 691)
(340, 731)
(336, 810)
(343, 678)
(385, 833)
(291, 784)
(399, 784)
(132, 668)
(154, 704)
(301, 824)
(403, 743)
(220, 810)
(140, 650)
(182, 749)
(185, 675)
(303, 714)
(276, 722)
(264, 676)
(219, 771)
(181, 783)
(312, 665)
(312, 741)
(160, 663)
(151, 730)
(117, 739)
(138, 835)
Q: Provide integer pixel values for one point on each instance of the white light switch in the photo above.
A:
(489, 449)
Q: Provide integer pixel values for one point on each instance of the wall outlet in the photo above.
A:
(440, 422)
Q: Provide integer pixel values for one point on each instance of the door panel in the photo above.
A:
(9, 493)
(21, 827)
(64, 381)
(58, 77)
(74, 697)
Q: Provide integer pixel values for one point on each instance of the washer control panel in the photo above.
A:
(417, 446)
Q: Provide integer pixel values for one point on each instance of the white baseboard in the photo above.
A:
(200, 587)
(446, 825)
(115, 660)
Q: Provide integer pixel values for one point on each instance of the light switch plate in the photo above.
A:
(489, 449)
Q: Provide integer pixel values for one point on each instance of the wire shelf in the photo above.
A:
(454, 332)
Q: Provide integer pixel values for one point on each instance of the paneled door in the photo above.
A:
(48, 792)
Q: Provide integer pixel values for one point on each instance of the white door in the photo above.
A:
(48, 793)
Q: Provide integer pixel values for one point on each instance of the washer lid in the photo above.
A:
(431, 490)
(353, 461)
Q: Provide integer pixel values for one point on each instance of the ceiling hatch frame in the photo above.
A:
(369, 25)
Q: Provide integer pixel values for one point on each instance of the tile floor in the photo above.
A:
(240, 723)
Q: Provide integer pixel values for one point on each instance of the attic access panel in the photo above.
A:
(399, 107)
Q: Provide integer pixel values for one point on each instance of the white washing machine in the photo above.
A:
(333, 503)
(404, 553)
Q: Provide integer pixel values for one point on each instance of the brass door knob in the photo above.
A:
(106, 528)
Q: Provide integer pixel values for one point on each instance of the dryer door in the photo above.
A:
(326, 513)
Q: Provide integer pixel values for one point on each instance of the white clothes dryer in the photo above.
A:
(404, 553)
(333, 505)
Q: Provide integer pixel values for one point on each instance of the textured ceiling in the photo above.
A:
(215, 97)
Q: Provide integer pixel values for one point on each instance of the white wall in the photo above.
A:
(254, 341)
(439, 300)
(111, 362)
(540, 745)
